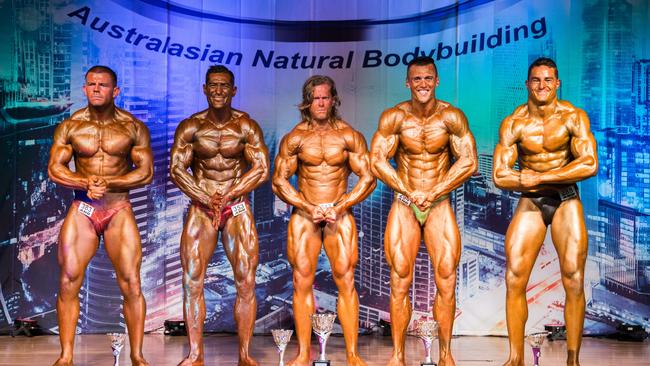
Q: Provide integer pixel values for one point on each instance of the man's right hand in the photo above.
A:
(215, 203)
(317, 213)
(96, 187)
(420, 199)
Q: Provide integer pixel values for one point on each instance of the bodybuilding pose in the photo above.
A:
(423, 134)
(112, 155)
(556, 149)
(225, 150)
(323, 150)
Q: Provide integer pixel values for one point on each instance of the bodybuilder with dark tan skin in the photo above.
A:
(555, 148)
(323, 150)
(112, 155)
(225, 150)
(423, 135)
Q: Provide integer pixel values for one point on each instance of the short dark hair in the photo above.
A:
(421, 61)
(308, 96)
(101, 69)
(219, 69)
(543, 61)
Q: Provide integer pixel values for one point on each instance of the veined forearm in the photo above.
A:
(185, 182)
(249, 181)
(576, 171)
(60, 174)
(388, 175)
(363, 188)
(459, 172)
(133, 179)
(288, 194)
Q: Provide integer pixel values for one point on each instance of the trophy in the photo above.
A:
(117, 342)
(322, 325)
(536, 340)
(281, 338)
(427, 330)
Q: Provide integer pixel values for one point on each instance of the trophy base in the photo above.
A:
(428, 364)
(321, 363)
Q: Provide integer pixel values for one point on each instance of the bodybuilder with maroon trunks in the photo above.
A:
(225, 150)
(112, 155)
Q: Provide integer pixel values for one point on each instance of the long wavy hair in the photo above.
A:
(308, 97)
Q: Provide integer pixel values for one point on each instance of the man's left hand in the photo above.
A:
(529, 178)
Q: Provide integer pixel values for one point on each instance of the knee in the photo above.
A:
(401, 268)
(245, 284)
(573, 281)
(70, 281)
(400, 282)
(130, 286)
(303, 279)
(193, 273)
(446, 282)
(344, 281)
(342, 270)
(516, 280)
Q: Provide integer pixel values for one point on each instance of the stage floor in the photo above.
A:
(160, 350)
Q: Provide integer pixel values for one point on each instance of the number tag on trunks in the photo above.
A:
(402, 198)
(86, 209)
(325, 206)
(568, 193)
(238, 209)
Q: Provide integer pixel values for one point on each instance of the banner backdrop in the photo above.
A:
(161, 50)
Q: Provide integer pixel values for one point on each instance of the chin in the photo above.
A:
(543, 101)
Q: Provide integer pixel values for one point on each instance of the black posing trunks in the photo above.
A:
(549, 200)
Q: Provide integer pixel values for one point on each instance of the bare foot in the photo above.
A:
(63, 361)
(139, 361)
(299, 361)
(247, 361)
(572, 358)
(514, 362)
(192, 361)
(396, 361)
(355, 360)
(446, 361)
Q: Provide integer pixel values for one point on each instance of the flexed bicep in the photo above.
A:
(359, 163)
(384, 147)
(256, 155)
(583, 144)
(61, 154)
(505, 157)
(286, 165)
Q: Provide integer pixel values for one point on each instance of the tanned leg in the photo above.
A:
(570, 238)
(401, 243)
(524, 239)
(442, 240)
(122, 242)
(303, 246)
(239, 238)
(340, 241)
(198, 241)
(77, 245)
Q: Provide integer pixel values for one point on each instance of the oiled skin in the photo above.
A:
(555, 147)
(422, 135)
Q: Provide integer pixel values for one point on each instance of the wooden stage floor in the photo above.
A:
(160, 350)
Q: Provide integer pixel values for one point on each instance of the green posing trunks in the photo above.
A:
(420, 215)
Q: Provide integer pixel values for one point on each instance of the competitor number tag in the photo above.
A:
(402, 198)
(238, 209)
(86, 209)
(568, 193)
(326, 205)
